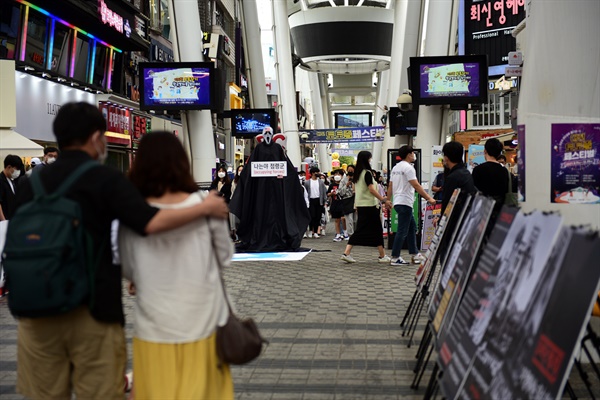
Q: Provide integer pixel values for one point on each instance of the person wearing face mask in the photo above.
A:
(8, 185)
(336, 207)
(346, 194)
(48, 365)
(50, 156)
(222, 183)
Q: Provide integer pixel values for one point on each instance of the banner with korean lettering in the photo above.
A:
(266, 169)
(431, 212)
(141, 124)
(364, 134)
(575, 173)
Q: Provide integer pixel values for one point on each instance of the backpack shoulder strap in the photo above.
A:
(62, 189)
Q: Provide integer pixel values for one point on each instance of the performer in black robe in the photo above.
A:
(272, 211)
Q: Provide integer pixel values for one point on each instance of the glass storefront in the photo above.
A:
(10, 16)
(37, 34)
(60, 48)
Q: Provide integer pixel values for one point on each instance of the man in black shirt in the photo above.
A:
(491, 178)
(8, 185)
(84, 350)
(458, 177)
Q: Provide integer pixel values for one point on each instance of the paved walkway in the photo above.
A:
(332, 326)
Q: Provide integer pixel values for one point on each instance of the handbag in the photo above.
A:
(510, 199)
(239, 340)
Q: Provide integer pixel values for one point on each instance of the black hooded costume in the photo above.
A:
(272, 211)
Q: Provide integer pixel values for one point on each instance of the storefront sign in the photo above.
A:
(140, 126)
(140, 27)
(488, 27)
(575, 159)
(265, 169)
(366, 134)
(272, 88)
(110, 17)
(160, 52)
(118, 123)
(38, 101)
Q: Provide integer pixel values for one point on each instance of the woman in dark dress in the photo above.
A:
(222, 184)
(368, 230)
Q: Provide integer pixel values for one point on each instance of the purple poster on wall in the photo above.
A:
(575, 175)
(443, 80)
(521, 161)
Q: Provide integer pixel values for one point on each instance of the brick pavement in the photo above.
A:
(333, 328)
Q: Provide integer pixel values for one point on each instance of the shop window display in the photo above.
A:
(82, 52)
(100, 65)
(164, 18)
(35, 47)
(10, 15)
(60, 48)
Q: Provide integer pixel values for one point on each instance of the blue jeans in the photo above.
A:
(407, 229)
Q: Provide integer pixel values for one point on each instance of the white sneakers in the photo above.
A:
(417, 258)
(399, 261)
(348, 258)
(384, 260)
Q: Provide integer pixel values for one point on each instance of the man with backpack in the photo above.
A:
(62, 284)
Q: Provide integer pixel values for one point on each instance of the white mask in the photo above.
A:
(337, 178)
(16, 173)
(102, 154)
(415, 158)
(221, 174)
(50, 160)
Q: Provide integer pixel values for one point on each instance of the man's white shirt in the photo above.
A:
(404, 192)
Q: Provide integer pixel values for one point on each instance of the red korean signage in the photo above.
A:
(118, 123)
(488, 27)
(141, 125)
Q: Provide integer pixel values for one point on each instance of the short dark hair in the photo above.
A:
(314, 170)
(161, 164)
(404, 151)
(76, 122)
(338, 171)
(501, 157)
(13, 161)
(493, 147)
(302, 173)
(454, 151)
(50, 149)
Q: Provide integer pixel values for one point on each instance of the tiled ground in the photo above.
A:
(333, 328)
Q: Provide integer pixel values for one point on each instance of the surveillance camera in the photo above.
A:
(404, 102)
(304, 136)
(378, 135)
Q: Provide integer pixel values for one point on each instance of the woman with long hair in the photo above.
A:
(222, 183)
(179, 296)
(368, 230)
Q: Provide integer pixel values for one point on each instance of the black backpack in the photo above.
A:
(47, 264)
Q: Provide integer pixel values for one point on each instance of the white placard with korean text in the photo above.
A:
(266, 169)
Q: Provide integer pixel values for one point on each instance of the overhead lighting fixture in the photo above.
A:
(98, 91)
(61, 79)
(74, 84)
(45, 75)
(28, 68)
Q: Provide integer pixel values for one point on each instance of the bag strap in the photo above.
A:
(71, 179)
(38, 188)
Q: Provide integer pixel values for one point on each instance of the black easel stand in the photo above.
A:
(433, 383)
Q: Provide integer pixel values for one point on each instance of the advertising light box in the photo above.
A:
(176, 86)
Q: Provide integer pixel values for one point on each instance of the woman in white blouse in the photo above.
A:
(180, 300)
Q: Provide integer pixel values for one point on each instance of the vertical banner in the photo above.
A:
(521, 161)
(475, 156)
(575, 174)
(431, 211)
(437, 164)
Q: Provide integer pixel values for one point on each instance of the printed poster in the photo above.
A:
(459, 347)
(437, 165)
(521, 161)
(575, 175)
(431, 211)
(507, 315)
(475, 156)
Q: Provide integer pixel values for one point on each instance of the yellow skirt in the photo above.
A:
(181, 371)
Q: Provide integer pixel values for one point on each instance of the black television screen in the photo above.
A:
(402, 122)
(353, 119)
(454, 80)
(176, 86)
(250, 122)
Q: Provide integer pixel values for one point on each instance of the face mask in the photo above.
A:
(50, 160)
(337, 178)
(101, 154)
(415, 156)
(350, 173)
(221, 174)
(16, 173)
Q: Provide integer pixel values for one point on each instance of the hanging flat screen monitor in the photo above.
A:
(176, 86)
(453, 80)
(353, 120)
(250, 122)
